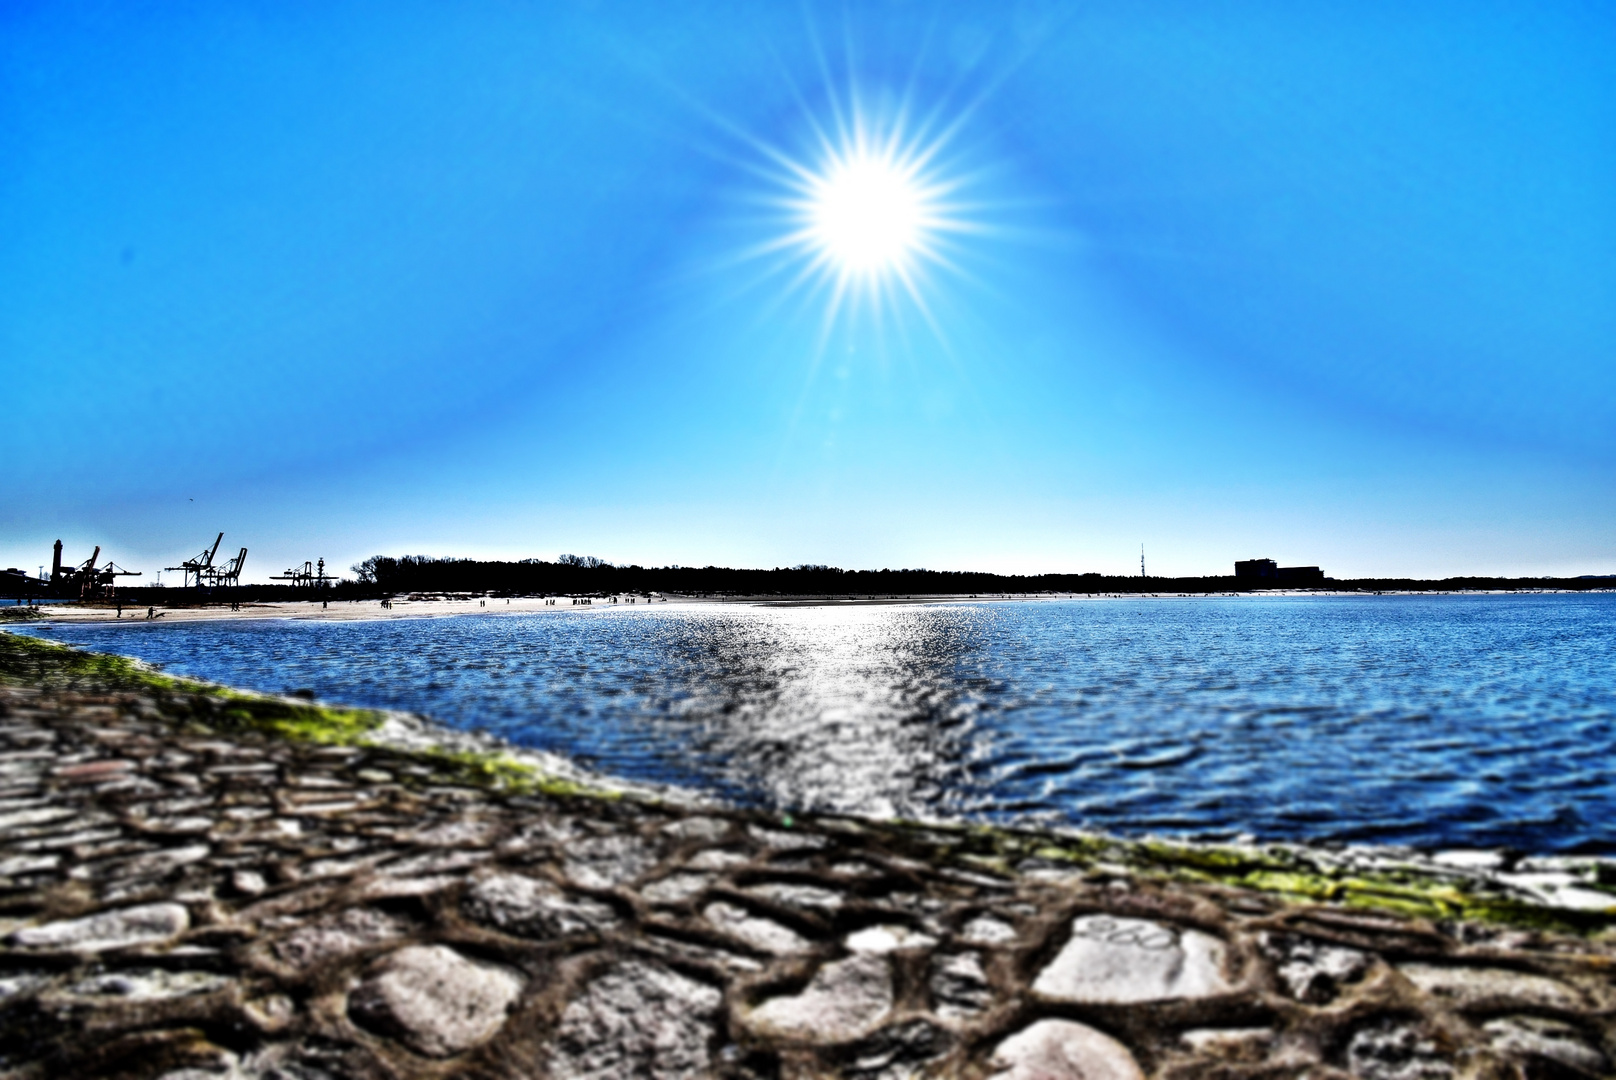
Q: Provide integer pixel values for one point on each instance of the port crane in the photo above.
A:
(201, 571)
(92, 582)
(311, 575)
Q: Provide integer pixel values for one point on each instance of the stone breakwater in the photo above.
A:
(180, 901)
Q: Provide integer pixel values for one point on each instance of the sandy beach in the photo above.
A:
(334, 610)
(438, 607)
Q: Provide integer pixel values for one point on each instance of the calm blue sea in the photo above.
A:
(1447, 721)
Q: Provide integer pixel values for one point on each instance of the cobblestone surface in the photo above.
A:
(175, 903)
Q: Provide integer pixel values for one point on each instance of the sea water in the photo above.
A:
(1436, 721)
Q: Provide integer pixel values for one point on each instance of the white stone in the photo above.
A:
(1117, 960)
(705, 829)
(27, 864)
(676, 888)
(534, 907)
(436, 1001)
(144, 925)
(812, 897)
(248, 882)
(37, 816)
(1063, 1050)
(786, 841)
(353, 929)
(1469, 859)
(603, 861)
(16, 985)
(1470, 984)
(762, 934)
(717, 859)
(1227, 1041)
(986, 930)
(154, 985)
(843, 1001)
(1544, 1038)
(883, 939)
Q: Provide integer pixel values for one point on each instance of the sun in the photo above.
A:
(868, 213)
(872, 210)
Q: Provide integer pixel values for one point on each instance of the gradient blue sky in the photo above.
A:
(1332, 283)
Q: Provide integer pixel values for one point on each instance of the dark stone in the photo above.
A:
(897, 1052)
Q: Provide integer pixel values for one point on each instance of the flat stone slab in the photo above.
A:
(346, 932)
(1119, 960)
(762, 934)
(146, 985)
(882, 939)
(676, 888)
(809, 897)
(603, 861)
(1472, 984)
(147, 924)
(1546, 1039)
(637, 1020)
(531, 907)
(844, 1000)
(434, 1000)
(987, 930)
(1063, 1050)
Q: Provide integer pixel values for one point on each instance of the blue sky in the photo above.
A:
(1330, 283)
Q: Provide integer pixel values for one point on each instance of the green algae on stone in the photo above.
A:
(1292, 875)
(304, 723)
(35, 661)
(31, 661)
(502, 772)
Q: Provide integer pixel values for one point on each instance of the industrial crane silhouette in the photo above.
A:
(200, 572)
(91, 581)
(309, 575)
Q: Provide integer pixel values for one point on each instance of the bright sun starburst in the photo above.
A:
(870, 212)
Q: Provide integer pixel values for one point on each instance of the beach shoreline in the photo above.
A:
(441, 605)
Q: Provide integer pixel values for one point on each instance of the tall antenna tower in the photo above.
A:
(1141, 560)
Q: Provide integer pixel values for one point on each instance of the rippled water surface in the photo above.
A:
(1449, 721)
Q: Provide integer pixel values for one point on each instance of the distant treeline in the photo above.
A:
(585, 574)
(384, 575)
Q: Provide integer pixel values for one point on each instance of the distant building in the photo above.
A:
(15, 582)
(1256, 569)
(1267, 574)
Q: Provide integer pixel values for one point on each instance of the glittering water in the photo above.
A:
(1448, 721)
